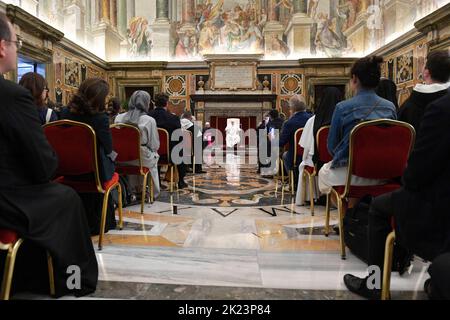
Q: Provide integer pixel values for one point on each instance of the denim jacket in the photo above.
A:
(350, 113)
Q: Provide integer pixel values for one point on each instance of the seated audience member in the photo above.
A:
(88, 106)
(37, 85)
(113, 109)
(366, 105)
(420, 207)
(331, 97)
(137, 115)
(48, 216)
(188, 123)
(436, 75)
(275, 124)
(387, 89)
(166, 120)
(438, 286)
(298, 119)
(261, 126)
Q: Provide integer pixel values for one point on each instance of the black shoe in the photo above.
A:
(336, 229)
(359, 286)
(182, 185)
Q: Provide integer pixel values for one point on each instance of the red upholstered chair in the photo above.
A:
(11, 242)
(309, 173)
(75, 143)
(298, 154)
(127, 143)
(187, 141)
(164, 154)
(379, 149)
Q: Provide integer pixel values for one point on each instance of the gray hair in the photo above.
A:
(138, 106)
(297, 103)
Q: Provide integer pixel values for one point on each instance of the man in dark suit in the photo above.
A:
(299, 117)
(165, 120)
(420, 207)
(49, 216)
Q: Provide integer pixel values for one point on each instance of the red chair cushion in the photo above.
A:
(88, 186)
(131, 170)
(310, 170)
(375, 191)
(8, 236)
(163, 150)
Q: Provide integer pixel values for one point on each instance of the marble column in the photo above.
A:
(74, 20)
(162, 10)
(131, 10)
(106, 11)
(162, 30)
(273, 28)
(122, 17)
(188, 16)
(300, 6)
(298, 31)
(271, 12)
(113, 12)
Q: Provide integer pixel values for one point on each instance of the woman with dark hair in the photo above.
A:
(37, 85)
(366, 105)
(88, 106)
(137, 115)
(331, 97)
(387, 89)
(113, 109)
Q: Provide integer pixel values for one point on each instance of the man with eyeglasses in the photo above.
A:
(50, 217)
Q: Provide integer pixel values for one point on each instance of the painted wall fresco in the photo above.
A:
(185, 30)
(70, 72)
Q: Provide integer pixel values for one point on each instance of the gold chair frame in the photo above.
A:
(141, 170)
(97, 177)
(341, 197)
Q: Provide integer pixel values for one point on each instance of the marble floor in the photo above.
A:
(231, 235)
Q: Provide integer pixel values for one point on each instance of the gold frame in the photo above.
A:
(141, 167)
(170, 164)
(8, 273)
(231, 64)
(388, 259)
(341, 197)
(97, 177)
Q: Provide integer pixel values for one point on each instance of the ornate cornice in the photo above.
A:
(326, 62)
(32, 25)
(435, 20)
(137, 65)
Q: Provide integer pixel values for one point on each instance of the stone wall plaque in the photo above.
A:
(233, 76)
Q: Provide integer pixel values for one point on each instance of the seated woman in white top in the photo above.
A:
(138, 108)
(330, 98)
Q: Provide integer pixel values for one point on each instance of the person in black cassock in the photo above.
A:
(165, 120)
(49, 216)
(88, 106)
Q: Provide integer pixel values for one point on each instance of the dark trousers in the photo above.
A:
(440, 277)
(380, 216)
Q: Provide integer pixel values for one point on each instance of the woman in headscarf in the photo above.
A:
(138, 108)
(387, 89)
(324, 113)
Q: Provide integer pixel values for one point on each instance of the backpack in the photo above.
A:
(128, 198)
(356, 230)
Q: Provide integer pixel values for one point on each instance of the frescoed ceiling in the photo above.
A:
(184, 30)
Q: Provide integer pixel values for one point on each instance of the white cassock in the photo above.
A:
(233, 134)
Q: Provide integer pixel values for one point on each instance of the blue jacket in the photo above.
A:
(348, 114)
(297, 121)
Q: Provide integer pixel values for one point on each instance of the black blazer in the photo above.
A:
(422, 206)
(100, 123)
(166, 120)
(26, 157)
